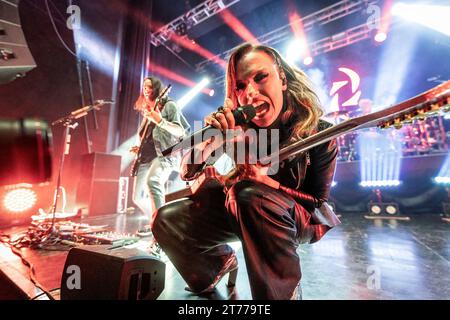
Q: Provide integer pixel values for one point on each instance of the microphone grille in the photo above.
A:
(244, 114)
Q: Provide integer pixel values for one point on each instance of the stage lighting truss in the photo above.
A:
(328, 14)
(191, 18)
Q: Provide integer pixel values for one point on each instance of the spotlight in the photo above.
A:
(390, 209)
(295, 50)
(192, 93)
(19, 202)
(380, 183)
(383, 210)
(19, 199)
(181, 29)
(380, 36)
(375, 209)
(211, 92)
(442, 180)
(431, 16)
(307, 61)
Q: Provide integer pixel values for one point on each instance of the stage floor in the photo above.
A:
(359, 260)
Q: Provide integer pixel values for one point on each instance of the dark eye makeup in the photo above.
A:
(260, 76)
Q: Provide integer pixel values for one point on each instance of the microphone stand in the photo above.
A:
(69, 123)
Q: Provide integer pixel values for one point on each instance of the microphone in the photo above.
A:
(96, 106)
(84, 111)
(81, 112)
(242, 115)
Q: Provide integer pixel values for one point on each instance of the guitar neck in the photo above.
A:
(313, 141)
(419, 107)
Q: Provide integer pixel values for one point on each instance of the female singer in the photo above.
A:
(270, 215)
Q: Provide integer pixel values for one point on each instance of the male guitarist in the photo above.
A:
(163, 125)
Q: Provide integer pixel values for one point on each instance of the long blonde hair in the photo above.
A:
(300, 99)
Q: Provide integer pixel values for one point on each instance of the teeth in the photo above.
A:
(261, 112)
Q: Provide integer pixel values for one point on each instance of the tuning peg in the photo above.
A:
(408, 119)
(398, 123)
(420, 115)
(432, 109)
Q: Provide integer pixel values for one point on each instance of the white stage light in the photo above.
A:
(380, 37)
(307, 61)
(434, 17)
(192, 93)
(295, 50)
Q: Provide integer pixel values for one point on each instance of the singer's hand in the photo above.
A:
(223, 119)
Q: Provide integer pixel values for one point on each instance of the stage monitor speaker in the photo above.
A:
(98, 188)
(15, 56)
(100, 273)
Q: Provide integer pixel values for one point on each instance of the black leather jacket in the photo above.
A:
(308, 177)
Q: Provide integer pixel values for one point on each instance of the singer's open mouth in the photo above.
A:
(262, 109)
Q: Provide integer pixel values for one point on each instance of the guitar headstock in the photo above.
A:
(428, 104)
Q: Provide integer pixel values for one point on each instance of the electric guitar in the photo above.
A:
(144, 128)
(427, 104)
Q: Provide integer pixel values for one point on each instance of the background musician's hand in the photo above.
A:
(153, 115)
(152, 112)
(134, 149)
(222, 119)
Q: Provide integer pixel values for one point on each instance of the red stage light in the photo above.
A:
(19, 199)
(238, 27)
(191, 45)
(169, 74)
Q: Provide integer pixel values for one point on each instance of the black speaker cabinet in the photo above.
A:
(100, 273)
(98, 188)
(15, 56)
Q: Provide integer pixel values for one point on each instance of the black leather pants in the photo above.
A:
(193, 233)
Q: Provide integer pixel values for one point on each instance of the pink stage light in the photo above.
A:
(238, 27)
(169, 74)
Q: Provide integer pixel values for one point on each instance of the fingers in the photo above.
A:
(212, 121)
(219, 120)
(228, 103)
(134, 149)
(228, 115)
(222, 119)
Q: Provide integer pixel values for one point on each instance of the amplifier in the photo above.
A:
(101, 273)
(15, 56)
